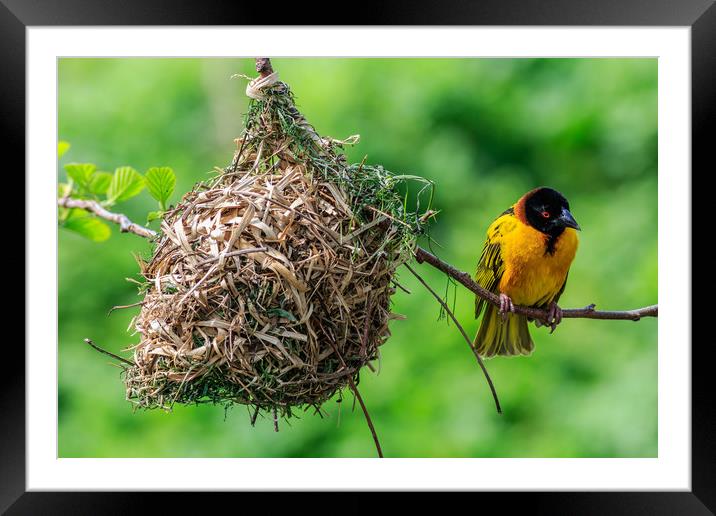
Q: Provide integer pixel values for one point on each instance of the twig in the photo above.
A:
(263, 66)
(588, 312)
(368, 420)
(462, 330)
(354, 388)
(125, 225)
(121, 307)
(116, 357)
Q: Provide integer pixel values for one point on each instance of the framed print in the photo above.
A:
(235, 240)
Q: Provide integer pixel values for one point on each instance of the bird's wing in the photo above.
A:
(491, 267)
(561, 290)
(547, 300)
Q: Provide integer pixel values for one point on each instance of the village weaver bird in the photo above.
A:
(526, 260)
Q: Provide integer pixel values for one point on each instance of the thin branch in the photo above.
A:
(464, 334)
(368, 420)
(421, 256)
(588, 312)
(109, 353)
(121, 307)
(354, 388)
(125, 225)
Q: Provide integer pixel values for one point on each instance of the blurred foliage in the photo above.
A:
(485, 131)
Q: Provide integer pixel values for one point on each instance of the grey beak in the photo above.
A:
(567, 219)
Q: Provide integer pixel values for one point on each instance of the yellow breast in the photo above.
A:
(532, 276)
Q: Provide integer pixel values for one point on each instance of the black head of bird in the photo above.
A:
(547, 210)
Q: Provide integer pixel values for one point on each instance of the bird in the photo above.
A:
(525, 260)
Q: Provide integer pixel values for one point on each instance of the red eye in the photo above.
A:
(545, 214)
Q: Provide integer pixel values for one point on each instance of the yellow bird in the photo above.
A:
(526, 260)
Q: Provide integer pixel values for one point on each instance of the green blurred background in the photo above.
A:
(486, 131)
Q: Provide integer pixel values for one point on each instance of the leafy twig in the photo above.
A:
(125, 225)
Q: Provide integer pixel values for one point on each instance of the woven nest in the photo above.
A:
(270, 285)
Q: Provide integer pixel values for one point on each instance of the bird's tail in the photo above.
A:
(498, 337)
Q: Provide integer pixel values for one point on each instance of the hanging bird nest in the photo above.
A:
(270, 284)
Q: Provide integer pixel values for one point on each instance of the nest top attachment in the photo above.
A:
(270, 284)
(254, 88)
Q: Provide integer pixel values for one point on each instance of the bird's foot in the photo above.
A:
(554, 316)
(506, 306)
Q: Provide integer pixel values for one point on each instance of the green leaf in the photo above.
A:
(99, 183)
(126, 183)
(89, 227)
(77, 213)
(282, 313)
(154, 215)
(80, 173)
(160, 183)
(62, 147)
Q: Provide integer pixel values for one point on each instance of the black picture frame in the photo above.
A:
(700, 15)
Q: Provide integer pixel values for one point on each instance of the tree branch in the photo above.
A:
(588, 312)
(421, 256)
(125, 225)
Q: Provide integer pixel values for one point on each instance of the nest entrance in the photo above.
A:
(270, 285)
